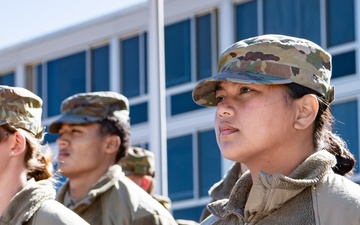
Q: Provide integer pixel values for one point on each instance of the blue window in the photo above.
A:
(100, 69)
(246, 20)
(341, 21)
(210, 161)
(49, 137)
(134, 65)
(61, 179)
(138, 113)
(177, 53)
(346, 126)
(204, 46)
(182, 103)
(192, 213)
(295, 18)
(339, 61)
(180, 168)
(130, 55)
(39, 80)
(8, 79)
(66, 76)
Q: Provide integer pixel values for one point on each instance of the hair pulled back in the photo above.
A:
(324, 138)
(37, 156)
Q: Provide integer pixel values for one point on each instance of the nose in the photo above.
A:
(224, 110)
(62, 141)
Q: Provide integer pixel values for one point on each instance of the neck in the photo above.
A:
(80, 185)
(283, 160)
(10, 184)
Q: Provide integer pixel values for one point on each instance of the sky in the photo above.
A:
(23, 20)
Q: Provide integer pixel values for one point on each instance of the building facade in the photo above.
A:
(111, 53)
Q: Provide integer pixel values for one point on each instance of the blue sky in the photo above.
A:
(22, 20)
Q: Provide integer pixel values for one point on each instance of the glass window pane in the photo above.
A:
(66, 76)
(8, 79)
(146, 63)
(180, 168)
(246, 20)
(341, 21)
(346, 126)
(343, 64)
(49, 137)
(192, 213)
(210, 161)
(182, 103)
(39, 80)
(138, 113)
(130, 66)
(203, 46)
(100, 69)
(177, 53)
(295, 18)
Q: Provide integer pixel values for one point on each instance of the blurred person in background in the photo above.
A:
(94, 134)
(139, 166)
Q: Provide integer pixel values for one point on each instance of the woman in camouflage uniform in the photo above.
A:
(272, 95)
(27, 195)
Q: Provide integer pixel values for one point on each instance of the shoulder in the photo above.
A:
(130, 200)
(53, 212)
(339, 186)
(338, 191)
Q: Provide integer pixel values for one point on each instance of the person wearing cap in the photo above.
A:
(272, 96)
(27, 192)
(94, 134)
(139, 166)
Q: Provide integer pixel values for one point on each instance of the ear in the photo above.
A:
(19, 144)
(112, 144)
(145, 183)
(307, 108)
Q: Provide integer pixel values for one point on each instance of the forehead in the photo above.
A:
(65, 126)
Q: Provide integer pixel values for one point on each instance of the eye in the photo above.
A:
(220, 98)
(245, 90)
(74, 130)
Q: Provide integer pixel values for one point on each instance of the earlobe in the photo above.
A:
(307, 109)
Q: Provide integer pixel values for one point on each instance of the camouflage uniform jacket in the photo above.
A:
(311, 194)
(116, 200)
(35, 204)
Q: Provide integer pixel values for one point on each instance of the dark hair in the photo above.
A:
(324, 138)
(121, 129)
(37, 156)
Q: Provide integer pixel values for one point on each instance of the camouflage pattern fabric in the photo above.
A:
(270, 59)
(22, 109)
(92, 107)
(138, 161)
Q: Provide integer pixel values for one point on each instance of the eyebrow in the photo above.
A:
(218, 87)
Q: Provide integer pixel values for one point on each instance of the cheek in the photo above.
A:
(216, 125)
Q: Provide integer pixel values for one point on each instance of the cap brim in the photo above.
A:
(3, 122)
(204, 92)
(71, 119)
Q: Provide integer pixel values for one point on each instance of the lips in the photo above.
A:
(63, 154)
(226, 129)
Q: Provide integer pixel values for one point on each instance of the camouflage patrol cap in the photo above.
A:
(91, 107)
(138, 161)
(22, 109)
(270, 59)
